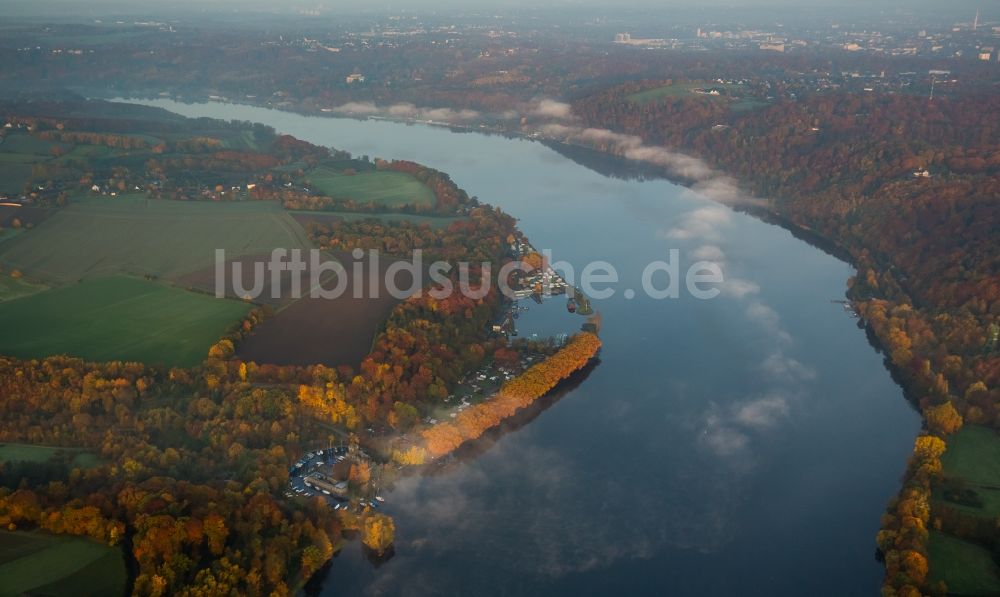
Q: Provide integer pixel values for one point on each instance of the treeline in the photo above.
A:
(902, 540)
(445, 437)
(115, 141)
(482, 237)
(295, 199)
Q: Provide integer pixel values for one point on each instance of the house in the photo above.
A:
(326, 484)
(355, 78)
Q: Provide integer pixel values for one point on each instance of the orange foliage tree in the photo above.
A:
(516, 394)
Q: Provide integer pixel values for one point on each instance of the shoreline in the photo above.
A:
(443, 439)
(761, 212)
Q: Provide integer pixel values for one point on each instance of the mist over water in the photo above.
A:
(745, 444)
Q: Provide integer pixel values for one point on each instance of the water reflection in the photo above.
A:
(472, 450)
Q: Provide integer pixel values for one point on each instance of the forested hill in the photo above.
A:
(910, 187)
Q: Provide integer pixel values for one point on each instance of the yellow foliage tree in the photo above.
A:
(378, 532)
(223, 349)
(360, 474)
(943, 419)
(929, 447)
(415, 456)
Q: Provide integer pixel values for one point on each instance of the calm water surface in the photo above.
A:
(743, 445)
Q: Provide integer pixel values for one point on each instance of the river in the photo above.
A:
(743, 445)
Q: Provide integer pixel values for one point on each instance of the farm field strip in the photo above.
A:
(389, 189)
(97, 237)
(117, 318)
(31, 561)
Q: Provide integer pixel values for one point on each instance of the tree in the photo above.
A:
(915, 566)
(312, 560)
(943, 419)
(378, 532)
(216, 533)
(928, 447)
(360, 474)
(223, 349)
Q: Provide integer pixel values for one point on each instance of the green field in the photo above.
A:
(972, 463)
(387, 189)
(15, 172)
(97, 237)
(33, 453)
(965, 568)
(988, 496)
(739, 104)
(34, 563)
(117, 318)
(22, 143)
(657, 93)
(9, 233)
(86, 152)
(19, 152)
(747, 104)
(244, 139)
(12, 288)
(974, 454)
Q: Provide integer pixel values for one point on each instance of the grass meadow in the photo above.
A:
(385, 189)
(117, 318)
(131, 234)
(35, 563)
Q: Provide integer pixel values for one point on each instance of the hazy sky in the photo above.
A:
(137, 6)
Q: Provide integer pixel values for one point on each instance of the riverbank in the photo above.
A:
(445, 437)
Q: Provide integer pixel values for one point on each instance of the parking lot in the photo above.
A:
(320, 461)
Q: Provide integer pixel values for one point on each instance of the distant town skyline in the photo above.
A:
(127, 6)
